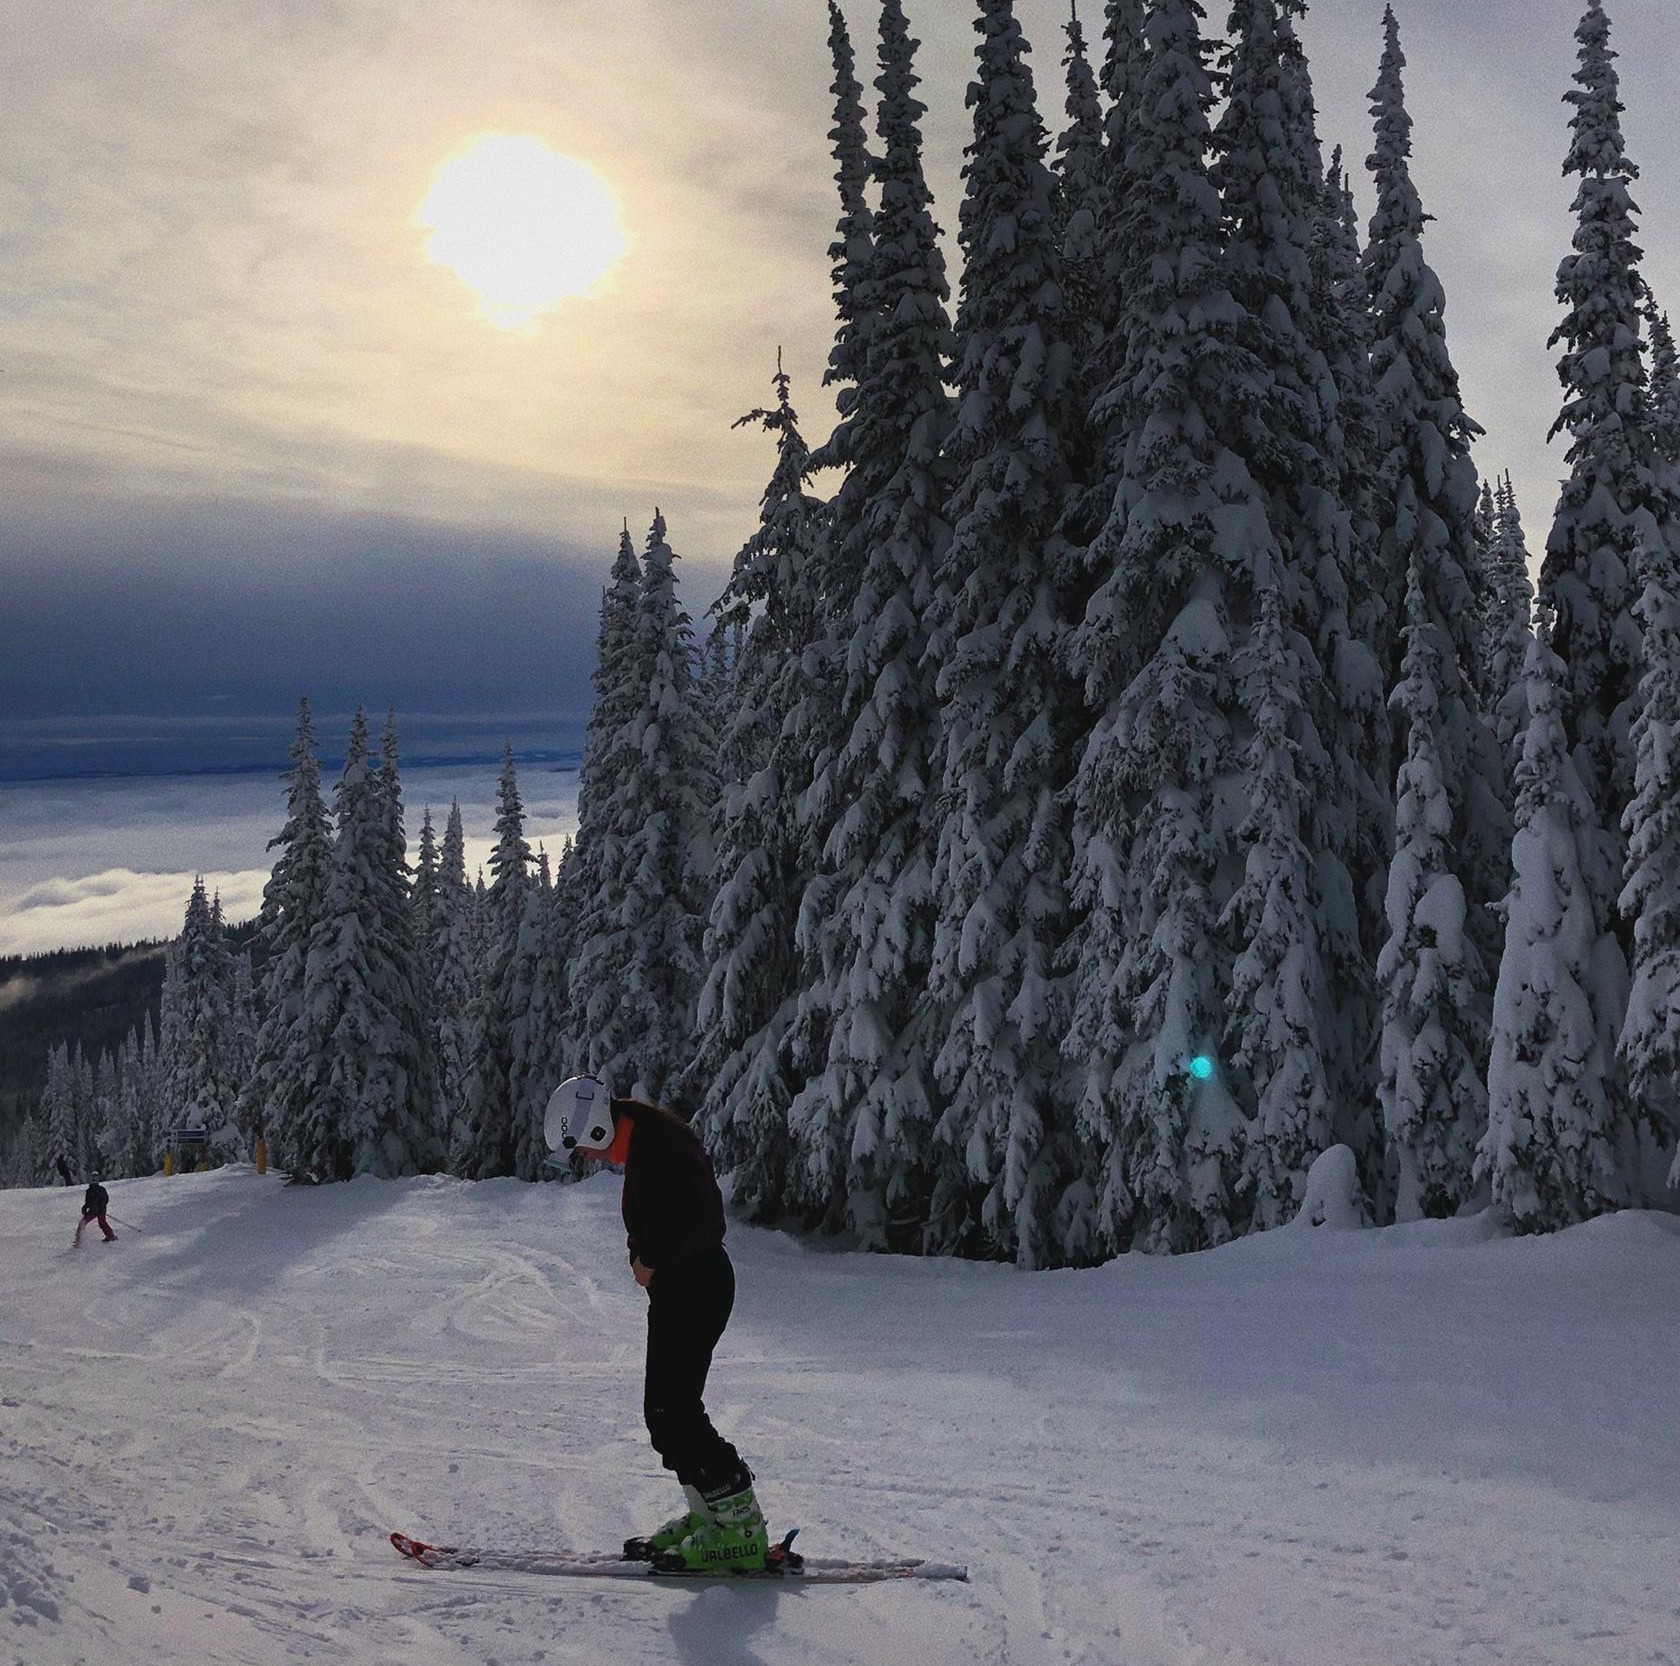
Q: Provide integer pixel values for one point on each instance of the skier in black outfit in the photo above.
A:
(674, 1223)
(94, 1204)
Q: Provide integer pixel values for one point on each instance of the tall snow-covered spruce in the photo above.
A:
(1435, 987)
(1179, 567)
(764, 858)
(863, 1122)
(1650, 900)
(293, 903)
(1268, 169)
(368, 1108)
(1551, 1150)
(1580, 1155)
(1586, 579)
(637, 971)
(1009, 713)
(486, 1140)
(1429, 495)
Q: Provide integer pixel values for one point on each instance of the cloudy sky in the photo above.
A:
(252, 441)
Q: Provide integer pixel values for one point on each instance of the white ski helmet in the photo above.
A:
(579, 1116)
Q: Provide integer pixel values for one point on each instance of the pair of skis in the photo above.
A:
(783, 1563)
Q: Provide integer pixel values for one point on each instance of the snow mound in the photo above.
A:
(1333, 1197)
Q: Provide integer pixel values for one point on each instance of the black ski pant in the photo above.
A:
(688, 1307)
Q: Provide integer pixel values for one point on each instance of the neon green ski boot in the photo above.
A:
(734, 1540)
(673, 1532)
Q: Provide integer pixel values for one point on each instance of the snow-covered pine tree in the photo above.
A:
(606, 818)
(405, 1137)
(149, 1102)
(244, 1022)
(1553, 1149)
(24, 1162)
(1665, 383)
(423, 908)
(764, 857)
(639, 970)
(272, 1099)
(1278, 1000)
(1586, 583)
(1269, 172)
(455, 974)
(1649, 1048)
(1510, 627)
(1428, 491)
(62, 1143)
(862, 1123)
(368, 1108)
(1180, 564)
(199, 1090)
(1125, 63)
(1081, 186)
(1435, 992)
(535, 1004)
(815, 726)
(485, 1143)
(1010, 714)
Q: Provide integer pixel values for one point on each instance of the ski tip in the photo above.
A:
(412, 1548)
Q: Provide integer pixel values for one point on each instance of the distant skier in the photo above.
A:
(94, 1205)
(64, 1173)
(673, 1216)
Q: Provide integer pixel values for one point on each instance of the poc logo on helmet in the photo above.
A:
(579, 1116)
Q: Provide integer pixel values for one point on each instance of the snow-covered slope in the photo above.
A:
(1408, 1446)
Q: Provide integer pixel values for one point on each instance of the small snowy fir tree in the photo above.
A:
(484, 1141)
(199, 1090)
(1551, 1153)
(423, 913)
(1435, 993)
(369, 1109)
(62, 1138)
(536, 1023)
(607, 759)
(1511, 625)
(455, 974)
(638, 972)
(1665, 383)
(272, 1103)
(764, 858)
(1009, 712)
(1081, 184)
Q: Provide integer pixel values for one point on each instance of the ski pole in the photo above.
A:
(121, 1222)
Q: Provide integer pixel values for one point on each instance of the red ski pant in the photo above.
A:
(103, 1226)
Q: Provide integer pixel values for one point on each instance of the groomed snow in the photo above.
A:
(1314, 1448)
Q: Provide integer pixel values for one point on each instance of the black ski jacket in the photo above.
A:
(673, 1210)
(96, 1200)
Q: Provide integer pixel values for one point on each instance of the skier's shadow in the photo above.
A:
(717, 1624)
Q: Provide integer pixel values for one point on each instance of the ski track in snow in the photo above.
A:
(1315, 1449)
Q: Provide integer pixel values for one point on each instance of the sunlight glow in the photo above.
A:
(520, 225)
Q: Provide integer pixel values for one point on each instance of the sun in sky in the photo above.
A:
(521, 225)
